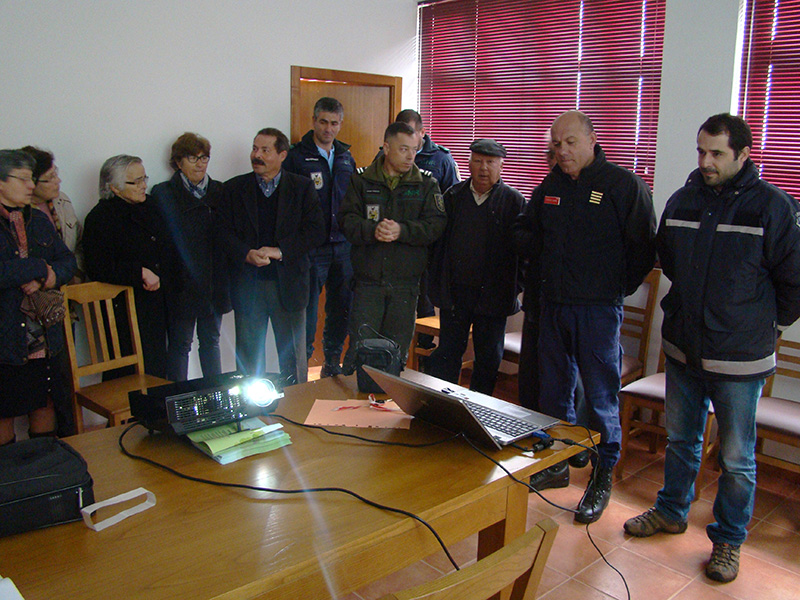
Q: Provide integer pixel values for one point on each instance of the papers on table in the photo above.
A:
(229, 443)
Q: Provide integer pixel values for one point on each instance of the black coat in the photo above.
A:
(202, 273)
(501, 283)
(299, 228)
(119, 239)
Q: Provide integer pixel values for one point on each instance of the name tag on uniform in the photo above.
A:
(553, 200)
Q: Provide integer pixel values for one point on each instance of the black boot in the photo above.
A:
(580, 460)
(556, 476)
(596, 497)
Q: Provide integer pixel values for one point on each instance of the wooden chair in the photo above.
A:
(521, 562)
(649, 393)
(635, 324)
(431, 326)
(108, 398)
(778, 419)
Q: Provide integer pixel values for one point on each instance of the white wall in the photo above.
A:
(90, 79)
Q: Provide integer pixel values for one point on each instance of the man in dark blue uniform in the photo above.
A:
(329, 164)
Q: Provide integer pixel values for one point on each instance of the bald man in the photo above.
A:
(590, 228)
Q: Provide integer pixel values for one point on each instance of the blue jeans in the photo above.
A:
(582, 341)
(686, 410)
(181, 334)
(330, 267)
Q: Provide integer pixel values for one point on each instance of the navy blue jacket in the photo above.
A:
(734, 261)
(590, 241)
(501, 284)
(45, 247)
(304, 159)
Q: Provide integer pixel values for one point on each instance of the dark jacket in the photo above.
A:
(416, 204)
(501, 284)
(734, 261)
(202, 270)
(44, 248)
(590, 240)
(436, 161)
(299, 228)
(119, 239)
(304, 159)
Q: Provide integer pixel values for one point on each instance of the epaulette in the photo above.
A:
(360, 170)
(443, 149)
(426, 172)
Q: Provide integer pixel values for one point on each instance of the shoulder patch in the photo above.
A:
(439, 200)
(426, 172)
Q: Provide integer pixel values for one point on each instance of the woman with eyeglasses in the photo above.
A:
(32, 258)
(125, 242)
(48, 197)
(189, 202)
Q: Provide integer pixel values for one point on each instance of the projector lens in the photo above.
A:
(260, 392)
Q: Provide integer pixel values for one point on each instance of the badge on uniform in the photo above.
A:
(595, 197)
(374, 212)
(553, 200)
(316, 177)
(439, 200)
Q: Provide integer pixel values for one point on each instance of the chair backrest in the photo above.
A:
(788, 358)
(98, 319)
(520, 562)
(636, 320)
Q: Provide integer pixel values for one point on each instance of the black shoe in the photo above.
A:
(580, 460)
(330, 369)
(596, 497)
(556, 476)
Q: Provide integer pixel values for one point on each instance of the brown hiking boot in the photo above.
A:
(724, 563)
(650, 522)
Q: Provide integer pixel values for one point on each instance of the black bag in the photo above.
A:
(381, 353)
(43, 482)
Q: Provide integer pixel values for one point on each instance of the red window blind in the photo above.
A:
(770, 85)
(505, 69)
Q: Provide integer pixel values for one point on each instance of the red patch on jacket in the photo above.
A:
(554, 200)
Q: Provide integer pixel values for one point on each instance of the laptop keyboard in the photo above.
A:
(493, 419)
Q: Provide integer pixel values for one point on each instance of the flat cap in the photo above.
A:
(488, 148)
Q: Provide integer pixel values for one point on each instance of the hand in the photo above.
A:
(387, 231)
(150, 280)
(273, 252)
(50, 281)
(257, 258)
(31, 286)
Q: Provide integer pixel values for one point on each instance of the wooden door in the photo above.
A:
(370, 103)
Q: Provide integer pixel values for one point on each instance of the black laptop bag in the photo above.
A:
(43, 482)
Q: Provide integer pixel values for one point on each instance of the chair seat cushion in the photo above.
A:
(111, 397)
(778, 414)
(512, 342)
(653, 387)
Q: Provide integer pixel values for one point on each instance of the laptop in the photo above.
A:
(485, 420)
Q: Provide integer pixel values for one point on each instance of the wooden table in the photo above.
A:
(201, 541)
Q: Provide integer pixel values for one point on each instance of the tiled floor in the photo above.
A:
(665, 567)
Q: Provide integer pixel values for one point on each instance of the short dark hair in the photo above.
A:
(189, 144)
(397, 127)
(281, 141)
(410, 116)
(14, 159)
(44, 161)
(737, 129)
(328, 104)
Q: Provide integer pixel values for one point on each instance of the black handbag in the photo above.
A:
(43, 482)
(381, 353)
(46, 307)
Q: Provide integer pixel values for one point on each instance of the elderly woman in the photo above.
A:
(125, 242)
(189, 202)
(32, 258)
(48, 197)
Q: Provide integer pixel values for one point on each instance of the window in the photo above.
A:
(506, 69)
(770, 84)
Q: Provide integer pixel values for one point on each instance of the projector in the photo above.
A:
(206, 402)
